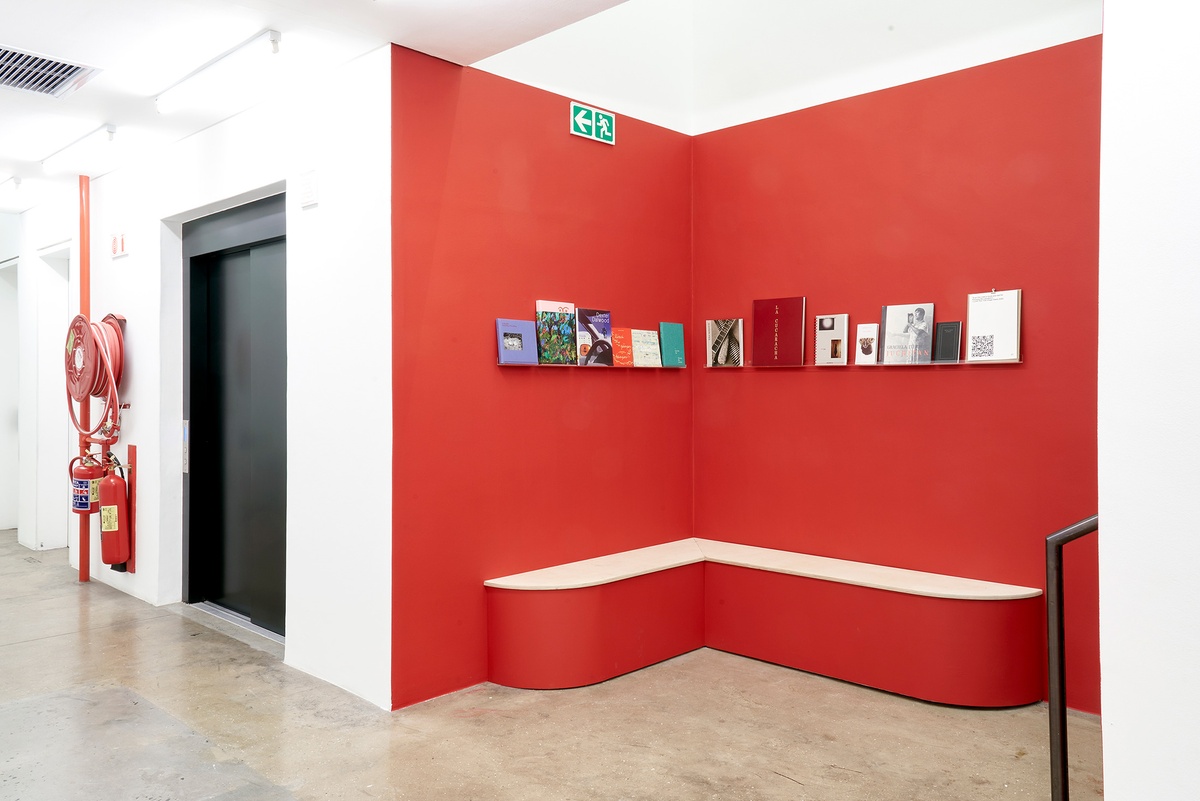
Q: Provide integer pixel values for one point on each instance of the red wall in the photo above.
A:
(500, 470)
(979, 179)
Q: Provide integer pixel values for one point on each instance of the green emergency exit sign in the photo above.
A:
(592, 123)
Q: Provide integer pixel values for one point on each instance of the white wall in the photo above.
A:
(1149, 380)
(338, 621)
(45, 246)
(10, 236)
(10, 232)
(9, 362)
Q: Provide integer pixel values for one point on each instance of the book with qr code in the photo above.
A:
(670, 339)
(555, 332)
(593, 337)
(516, 341)
(829, 342)
(778, 332)
(994, 326)
(906, 334)
(724, 339)
(622, 342)
(866, 343)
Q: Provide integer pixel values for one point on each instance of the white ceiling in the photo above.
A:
(144, 46)
(692, 65)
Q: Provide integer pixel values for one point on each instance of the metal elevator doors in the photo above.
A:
(237, 505)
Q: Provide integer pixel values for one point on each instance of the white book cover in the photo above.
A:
(866, 343)
(645, 348)
(906, 334)
(830, 338)
(725, 342)
(994, 326)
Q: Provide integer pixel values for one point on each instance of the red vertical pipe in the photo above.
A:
(85, 308)
(131, 565)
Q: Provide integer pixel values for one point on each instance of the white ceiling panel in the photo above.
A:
(751, 59)
(690, 65)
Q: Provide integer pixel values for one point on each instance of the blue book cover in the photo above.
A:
(670, 337)
(516, 341)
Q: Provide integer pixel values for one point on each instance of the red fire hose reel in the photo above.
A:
(95, 362)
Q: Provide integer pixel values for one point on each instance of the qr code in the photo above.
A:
(983, 347)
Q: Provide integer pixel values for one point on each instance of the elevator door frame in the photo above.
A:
(234, 229)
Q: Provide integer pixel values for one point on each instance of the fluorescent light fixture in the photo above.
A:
(94, 154)
(230, 82)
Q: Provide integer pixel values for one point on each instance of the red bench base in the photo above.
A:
(551, 639)
(981, 653)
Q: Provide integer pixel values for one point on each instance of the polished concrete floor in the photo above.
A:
(104, 697)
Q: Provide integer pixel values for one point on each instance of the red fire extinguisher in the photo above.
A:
(114, 525)
(86, 473)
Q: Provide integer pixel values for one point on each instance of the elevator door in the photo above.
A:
(238, 507)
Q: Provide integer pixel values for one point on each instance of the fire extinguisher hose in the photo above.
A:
(116, 463)
(94, 368)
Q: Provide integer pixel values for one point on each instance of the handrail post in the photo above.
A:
(1059, 782)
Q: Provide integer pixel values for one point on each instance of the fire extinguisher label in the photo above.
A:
(95, 496)
(79, 494)
(108, 518)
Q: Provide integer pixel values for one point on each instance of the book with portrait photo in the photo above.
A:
(906, 333)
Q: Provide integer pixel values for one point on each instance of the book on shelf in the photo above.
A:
(866, 349)
(947, 342)
(906, 332)
(670, 337)
(724, 338)
(555, 332)
(622, 342)
(779, 332)
(829, 343)
(645, 348)
(593, 337)
(516, 341)
(994, 326)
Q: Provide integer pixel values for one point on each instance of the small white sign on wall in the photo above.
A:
(118, 246)
(306, 187)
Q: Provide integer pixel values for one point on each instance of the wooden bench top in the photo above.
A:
(640, 561)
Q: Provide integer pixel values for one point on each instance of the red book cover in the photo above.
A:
(778, 332)
(622, 343)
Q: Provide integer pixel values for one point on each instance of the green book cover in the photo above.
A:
(670, 337)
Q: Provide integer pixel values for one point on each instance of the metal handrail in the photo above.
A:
(1059, 783)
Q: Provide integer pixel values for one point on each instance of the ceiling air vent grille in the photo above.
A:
(43, 76)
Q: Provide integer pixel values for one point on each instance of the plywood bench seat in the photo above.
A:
(931, 636)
